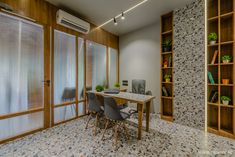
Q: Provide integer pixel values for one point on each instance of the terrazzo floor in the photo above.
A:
(164, 139)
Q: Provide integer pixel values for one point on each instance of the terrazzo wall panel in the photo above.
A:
(189, 65)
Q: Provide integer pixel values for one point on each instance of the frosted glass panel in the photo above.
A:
(112, 67)
(95, 65)
(21, 65)
(81, 109)
(64, 67)
(17, 125)
(64, 113)
(81, 67)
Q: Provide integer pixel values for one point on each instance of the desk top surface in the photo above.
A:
(138, 98)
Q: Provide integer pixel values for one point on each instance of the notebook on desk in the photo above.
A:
(112, 91)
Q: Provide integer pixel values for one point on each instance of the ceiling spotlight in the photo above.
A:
(115, 22)
(123, 17)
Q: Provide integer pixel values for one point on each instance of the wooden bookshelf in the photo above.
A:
(167, 58)
(221, 19)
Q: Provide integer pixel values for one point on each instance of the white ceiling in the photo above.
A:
(99, 11)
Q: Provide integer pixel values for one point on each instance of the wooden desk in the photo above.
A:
(141, 100)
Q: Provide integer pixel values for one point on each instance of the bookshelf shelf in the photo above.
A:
(167, 32)
(166, 53)
(165, 97)
(167, 67)
(221, 76)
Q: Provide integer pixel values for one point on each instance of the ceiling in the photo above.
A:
(99, 11)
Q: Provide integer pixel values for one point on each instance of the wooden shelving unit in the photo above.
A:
(221, 18)
(167, 56)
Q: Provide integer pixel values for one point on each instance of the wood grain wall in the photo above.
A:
(45, 13)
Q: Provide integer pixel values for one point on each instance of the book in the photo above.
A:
(164, 91)
(169, 61)
(211, 78)
(213, 96)
(214, 57)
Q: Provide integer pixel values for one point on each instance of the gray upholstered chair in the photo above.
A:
(114, 115)
(69, 94)
(138, 87)
(94, 109)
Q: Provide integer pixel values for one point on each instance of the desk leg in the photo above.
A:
(140, 118)
(147, 115)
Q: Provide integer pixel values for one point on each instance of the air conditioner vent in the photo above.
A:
(72, 22)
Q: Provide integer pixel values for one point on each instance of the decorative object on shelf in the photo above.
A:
(226, 59)
(164, 91)
(167, 78)
(165, 64)
(169, 61)
(167, 45)
(117, 85)
(99, 88)
(214, 57)
(214, 96)
(211, 78)
(225, 100)
(212, 37)
(225, 81)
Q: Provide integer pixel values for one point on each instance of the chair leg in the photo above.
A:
(116, 136)
(96, 123)
(106, 126)
(127, 132)
(89, 118)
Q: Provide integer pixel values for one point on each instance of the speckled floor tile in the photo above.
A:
(164, 139)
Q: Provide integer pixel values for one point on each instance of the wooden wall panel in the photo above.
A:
(45, 13)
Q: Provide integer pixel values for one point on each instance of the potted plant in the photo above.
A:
(226, 58)
(225, 81)
(117, 85)
(225, 100)
(99, 88)
(167, 45)
(165, 64)
(212, 37)
(167, 78)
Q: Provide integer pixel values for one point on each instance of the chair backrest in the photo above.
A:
(93, 104)
(69, 94)
(111, 110)
(138, 86)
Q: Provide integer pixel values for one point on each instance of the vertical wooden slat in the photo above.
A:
(76, 72)
(219, 72)
(52, 77)
(107, 66)
(46, 76)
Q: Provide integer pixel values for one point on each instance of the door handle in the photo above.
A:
(47, 82)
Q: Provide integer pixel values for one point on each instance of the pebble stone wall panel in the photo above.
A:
(189, 65)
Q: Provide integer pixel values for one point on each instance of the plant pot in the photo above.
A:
(226, 61)
(212, 42)
(225, 81)
(168, 80)
(165, 65)
(225, 102)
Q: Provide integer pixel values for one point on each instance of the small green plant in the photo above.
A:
(226, 58)
(225, 98)
(212, 37)
(99, 88)
(167, 76)
(117, 85)
(167, 44)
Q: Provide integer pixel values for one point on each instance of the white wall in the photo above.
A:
(140, 59)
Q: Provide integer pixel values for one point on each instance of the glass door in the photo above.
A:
(21, 77)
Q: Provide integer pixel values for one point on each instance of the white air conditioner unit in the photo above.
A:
(70, 21)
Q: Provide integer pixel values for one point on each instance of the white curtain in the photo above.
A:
(64, 72)
(96, 63)
(112, 67)
(21, 73)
